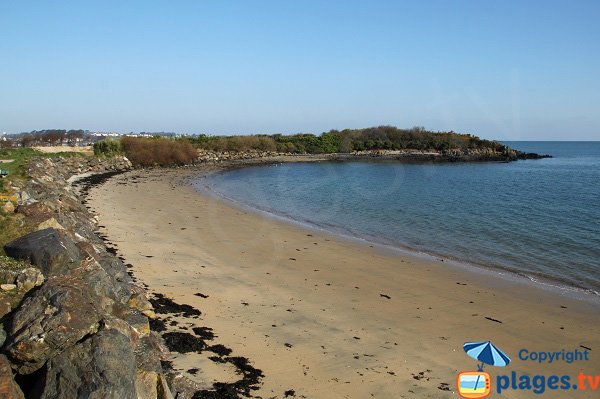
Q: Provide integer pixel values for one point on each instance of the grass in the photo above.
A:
(7, 263)
(12, 226)
(22, 156)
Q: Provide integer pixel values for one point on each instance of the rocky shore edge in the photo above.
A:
(73, 322)
(452, 155)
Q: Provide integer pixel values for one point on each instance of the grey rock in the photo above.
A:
(49, 249)
(103, 282)
(102, 366)
(148, 368)
(55, 317)
(23, 198)
(36, 212)
(29, 278)
(115, 268)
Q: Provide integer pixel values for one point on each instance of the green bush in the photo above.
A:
(108, 148)
(348, 140)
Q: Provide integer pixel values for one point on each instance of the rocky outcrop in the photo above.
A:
(205, 156)
(75, 325)
(409, 155)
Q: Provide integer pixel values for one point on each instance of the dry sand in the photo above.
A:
(327, 317)
(56, 149)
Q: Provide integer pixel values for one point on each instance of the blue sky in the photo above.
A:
(498, 69)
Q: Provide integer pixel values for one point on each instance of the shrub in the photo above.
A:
(348, 140)
(107, 148)
(158, 151)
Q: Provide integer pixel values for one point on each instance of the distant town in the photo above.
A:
(72, 138)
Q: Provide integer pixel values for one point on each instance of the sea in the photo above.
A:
(539, 219)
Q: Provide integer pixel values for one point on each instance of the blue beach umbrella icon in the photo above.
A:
(486, 353)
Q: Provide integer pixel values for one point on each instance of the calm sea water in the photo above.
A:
(539, 218)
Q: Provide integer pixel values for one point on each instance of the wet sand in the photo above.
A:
(325, 317)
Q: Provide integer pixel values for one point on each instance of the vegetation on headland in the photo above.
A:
(348, 140)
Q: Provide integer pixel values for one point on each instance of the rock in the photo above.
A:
(8, 207)
(8, 287)
(29, 278)
(146, 384)
(134, 319)
(101, 282)
(139, 301)
(83, 333)
(101, 366)
(8, 276)
(164, 392)
(8, 387)
(148, 368)
(49, 249)
(115, 268)
(5, 307)
(150, 314)
(36, 212)
(55, 317)
(50, 223)
(88, 250)
(23, 198)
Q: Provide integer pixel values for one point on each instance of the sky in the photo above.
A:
(507, 70)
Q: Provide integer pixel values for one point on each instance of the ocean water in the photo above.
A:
(537, 218)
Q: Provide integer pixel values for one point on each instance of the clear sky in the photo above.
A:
(499, 69)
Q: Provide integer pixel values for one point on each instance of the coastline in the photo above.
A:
(493, 270)
(252, 283)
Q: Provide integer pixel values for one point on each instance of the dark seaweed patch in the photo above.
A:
(183, 342)
(162, 304)
(249, 382)
(220, 350)
(204, 332)
(157, 325)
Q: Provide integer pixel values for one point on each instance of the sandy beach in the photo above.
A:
(325, 317)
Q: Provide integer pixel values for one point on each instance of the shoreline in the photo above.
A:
(538, 281)
(181, 243)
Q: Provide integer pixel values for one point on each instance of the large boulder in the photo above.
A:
(102, 282)
(101, 366)
(36, 212)
(51, 250)
(62, 312)
(148, 367)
